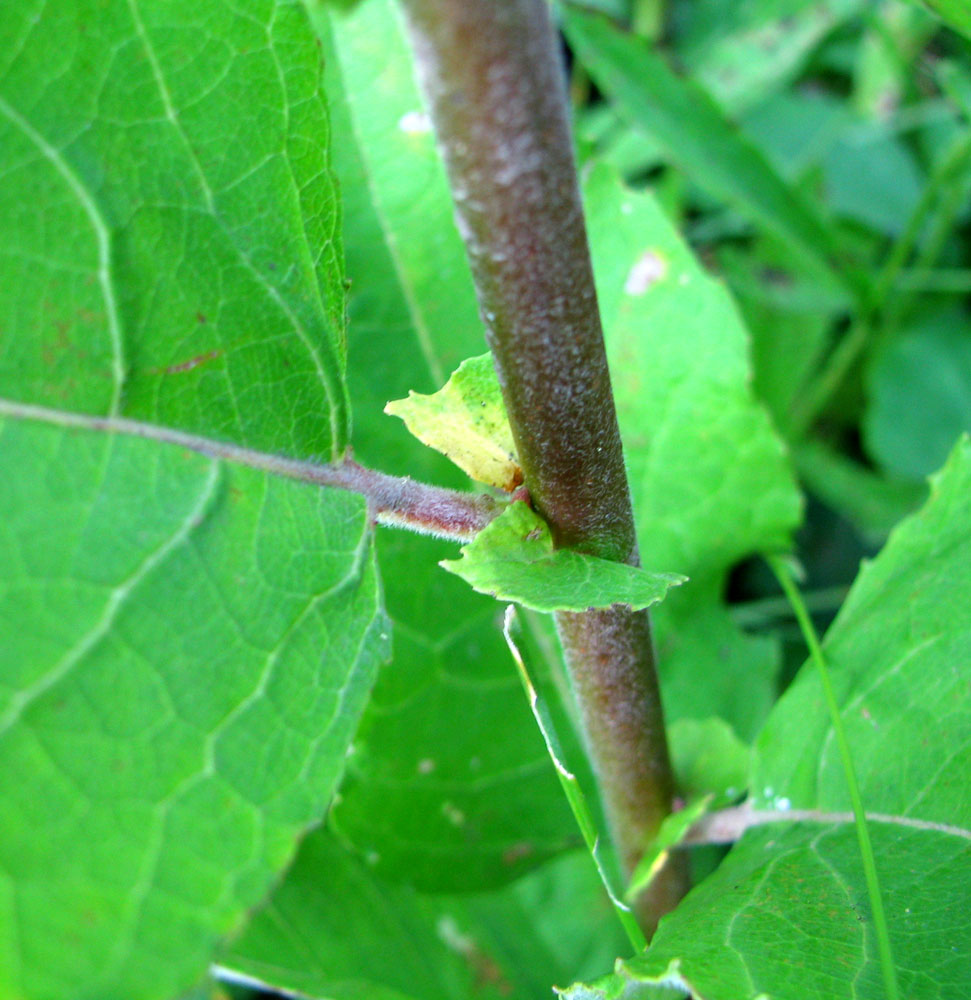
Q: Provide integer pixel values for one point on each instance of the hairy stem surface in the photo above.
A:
(496, 91)
(392, 500)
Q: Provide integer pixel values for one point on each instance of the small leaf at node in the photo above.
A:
(513, 559)
(466, 421)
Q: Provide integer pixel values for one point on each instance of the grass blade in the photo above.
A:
(571, 787)
(784, 576)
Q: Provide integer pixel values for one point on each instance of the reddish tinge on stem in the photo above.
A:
(496, 90)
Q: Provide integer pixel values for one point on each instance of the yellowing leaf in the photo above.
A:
(466, 421)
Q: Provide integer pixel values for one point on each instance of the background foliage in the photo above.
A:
(196, 668)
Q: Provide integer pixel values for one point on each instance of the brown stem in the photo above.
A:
(496, 90)
(611, 659)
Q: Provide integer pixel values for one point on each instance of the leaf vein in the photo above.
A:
(116, 600)
(102, 237)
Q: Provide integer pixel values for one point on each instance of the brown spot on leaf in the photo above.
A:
(187, 366)
(516, 852)
(485, 969)
(94, 317)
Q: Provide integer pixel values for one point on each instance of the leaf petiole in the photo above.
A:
(397, 501)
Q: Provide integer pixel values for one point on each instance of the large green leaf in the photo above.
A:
(786, 915)
(788, 319)
(171, 229)
(697, 135)
(185, 647)
(699, 447)
(407, 191)
(186, 650)
(335, 930)
(871, 176)
(709, 479)
(899, 656)
(449, 785)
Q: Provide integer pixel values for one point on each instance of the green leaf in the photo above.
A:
(334, 929)
(899, 657)
(794, 128)
(699, 447)
(788, 313)
(170, 223)
(407, 191)
(786, 916)
(709, 479)
(187, 646)
(930, 366)
(895, 655)
(742, 53)
(513, 559)
(955, 13)
(871, 176)
(696, 133)
(709, 665)
(449, 784)
(466, 421)
(708, 758)
(187, 649)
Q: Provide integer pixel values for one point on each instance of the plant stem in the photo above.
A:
(611, 659)
(497, 94)
(401, 502)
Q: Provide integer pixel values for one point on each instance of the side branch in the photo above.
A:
(401, 502)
